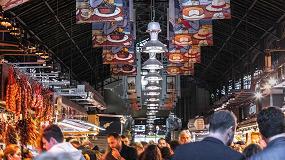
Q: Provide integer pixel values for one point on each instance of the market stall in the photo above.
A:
(27, 108)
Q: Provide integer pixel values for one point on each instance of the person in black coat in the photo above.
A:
(118, 150)
(271, 124)
(215, 146)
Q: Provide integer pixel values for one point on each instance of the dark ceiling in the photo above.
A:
(238, 42)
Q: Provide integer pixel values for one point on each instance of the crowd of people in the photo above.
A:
(222, 128)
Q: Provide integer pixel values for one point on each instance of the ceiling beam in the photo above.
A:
(43, 44)
(257, 42)
(229, 37)
(72, 40)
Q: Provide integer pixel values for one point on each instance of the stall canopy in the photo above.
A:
(78, 126)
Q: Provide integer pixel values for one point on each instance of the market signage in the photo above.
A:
(99, 10)
(205, 9)
(8, 4)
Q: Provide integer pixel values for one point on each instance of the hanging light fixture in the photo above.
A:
(154, 45)
(45, 56)
(15, 31)
(152, 107)
(149, 113)
(153, 104)
(152, 86)
(31, 48)
(150, 121)
(153, 76)
(152, 99)
(5, 22)
(152, 93)
(151, 117)
(39, 52)
(152, 63)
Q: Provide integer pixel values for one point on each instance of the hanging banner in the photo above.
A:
(110, 34)
(114, 33)
(186, 68)
(184, 32)
(123, 69)
(8, 4)
(99, 10)
(184, 54)
(205, 9)
(193, 33)
(123, 56)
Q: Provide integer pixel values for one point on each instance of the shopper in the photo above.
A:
(125, 140)
(173, 145)
(55, 156)
(139, 147)
(184, 137)
(152, 152)
(52, 140)
(251, 150)
(162, 143)
(12, 152)
(216, 145)
(165, 153)
(144, 143)
(118, 150)
(86, 148)
(271, 124)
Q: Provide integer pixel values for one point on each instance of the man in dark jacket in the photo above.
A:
(215, 146)
(271, 124)
(118, 150)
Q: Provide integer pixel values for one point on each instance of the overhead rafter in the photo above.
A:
(229, 37)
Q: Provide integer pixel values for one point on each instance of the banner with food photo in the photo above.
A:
(123, 69)
(8, 4)
(119, 55)
(88, 11)
(188, 36)
(112, 34)
(186, 68)
(205, 9)
(178, 54)
(184, 32)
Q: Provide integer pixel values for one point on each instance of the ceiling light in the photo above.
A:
(39, 53)
(151, 117)
(45, 56)
(152, 86)
(6, 23)
(149, 107)
(258, 95)
(152, 105)
(153, 111)
(154, 45)
(153, 76)
(15, 31)
(150, 113)
(152, 93)
(152, 99)
(272, 81)
(153, 64)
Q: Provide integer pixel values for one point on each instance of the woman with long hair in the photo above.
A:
(152, 152)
